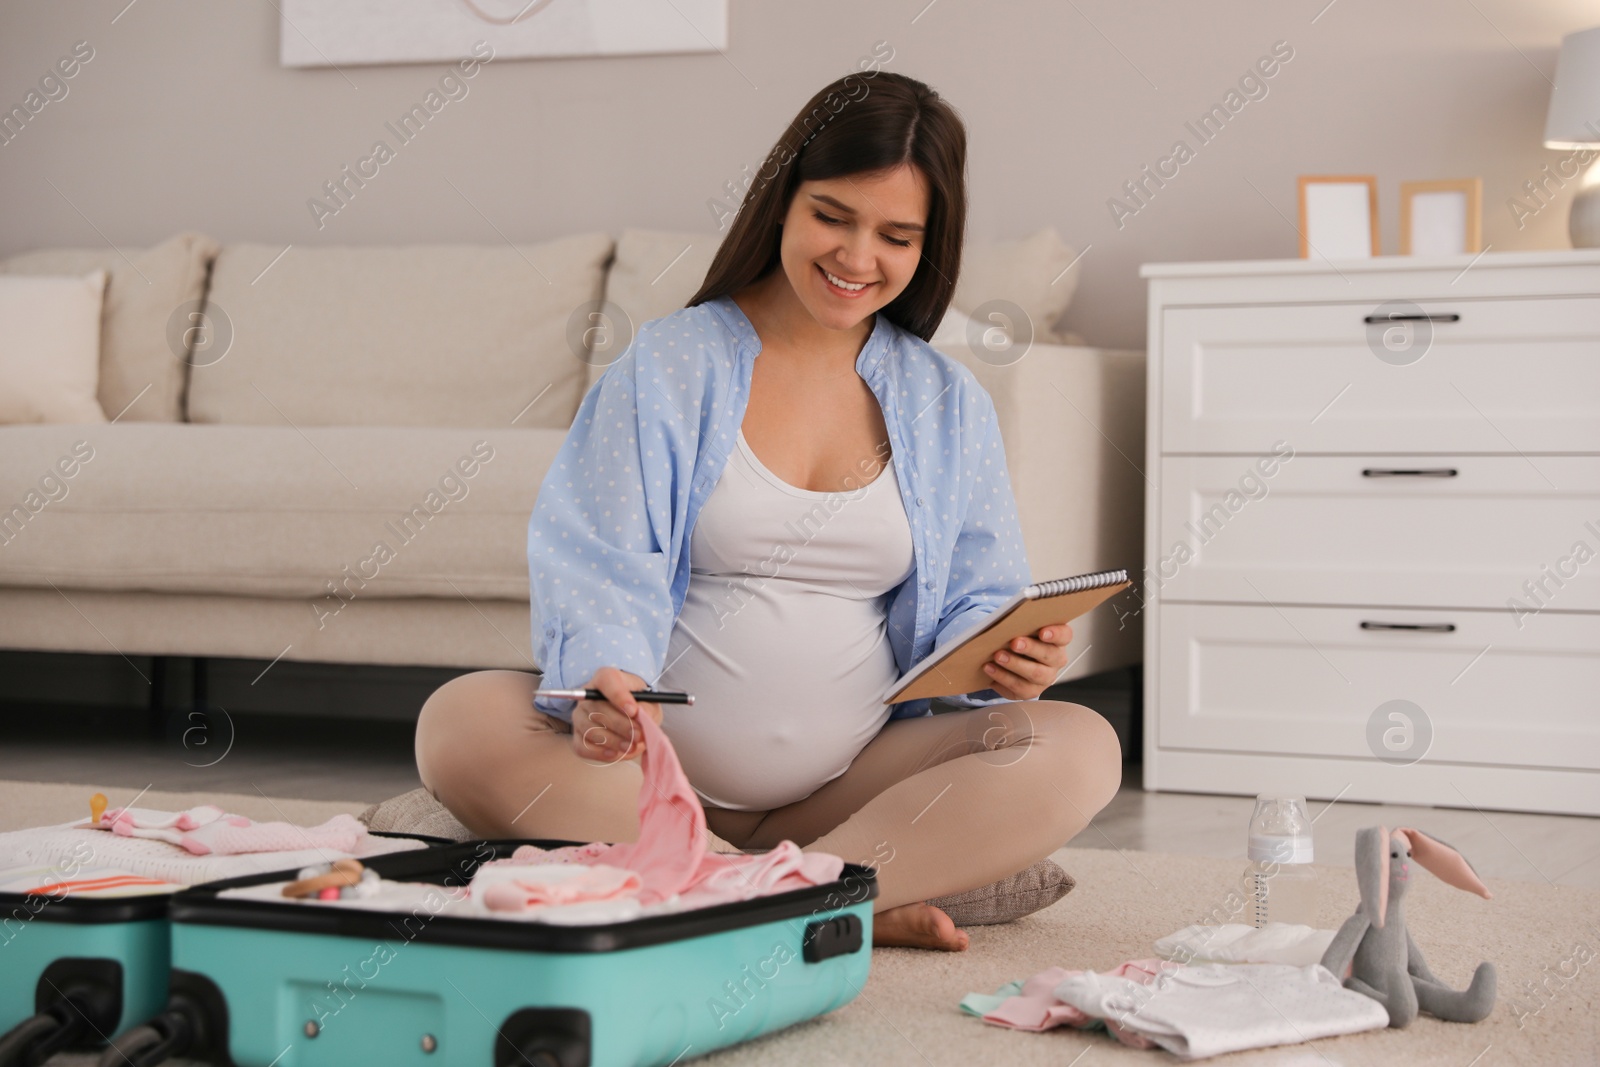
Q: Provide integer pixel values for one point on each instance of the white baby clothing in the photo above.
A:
(1208, 1009)
(1289, 943)
(783, 635)
(72, 844)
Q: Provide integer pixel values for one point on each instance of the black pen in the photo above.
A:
(644, 696)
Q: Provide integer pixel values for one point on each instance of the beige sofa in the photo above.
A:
(338, 463)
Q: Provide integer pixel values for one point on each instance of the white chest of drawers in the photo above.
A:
(1372, 544)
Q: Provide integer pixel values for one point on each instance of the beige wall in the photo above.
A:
(183, 119)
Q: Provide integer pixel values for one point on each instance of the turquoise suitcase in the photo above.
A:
(291, 985)
(74, 970)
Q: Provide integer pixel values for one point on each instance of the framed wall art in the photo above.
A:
(332, 33)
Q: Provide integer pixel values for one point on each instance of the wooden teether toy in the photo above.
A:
(336, 875)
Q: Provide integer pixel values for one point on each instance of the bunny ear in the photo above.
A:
(1372, 871)
(1444, 862)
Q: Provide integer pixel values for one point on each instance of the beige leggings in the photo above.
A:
(936, 805)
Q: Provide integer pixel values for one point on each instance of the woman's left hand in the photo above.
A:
(1029, 665)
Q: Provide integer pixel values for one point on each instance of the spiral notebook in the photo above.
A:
(958, 666)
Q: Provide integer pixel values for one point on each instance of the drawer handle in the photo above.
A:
(1448, 316)
(1422, 627)
(1421, 472)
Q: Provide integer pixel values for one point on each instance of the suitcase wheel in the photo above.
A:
(544, 1037)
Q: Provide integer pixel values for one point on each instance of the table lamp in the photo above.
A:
(1574, 122)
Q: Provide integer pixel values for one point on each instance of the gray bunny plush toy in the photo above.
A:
(1374, 953)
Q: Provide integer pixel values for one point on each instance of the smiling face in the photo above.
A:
(866, 230)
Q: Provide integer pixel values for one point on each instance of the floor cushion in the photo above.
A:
(1010, 898)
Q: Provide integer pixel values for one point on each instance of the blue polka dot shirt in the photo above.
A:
(608, 541)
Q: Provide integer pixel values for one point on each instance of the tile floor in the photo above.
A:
(355, 760)
(1554, 849)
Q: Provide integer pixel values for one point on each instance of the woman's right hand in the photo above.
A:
(606, 730)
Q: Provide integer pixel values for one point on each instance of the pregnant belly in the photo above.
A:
(787, 686)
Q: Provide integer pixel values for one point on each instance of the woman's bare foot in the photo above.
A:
(917, 925)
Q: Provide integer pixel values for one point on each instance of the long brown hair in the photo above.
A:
(853, 127)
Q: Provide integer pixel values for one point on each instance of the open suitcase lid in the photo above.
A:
(132, 907)
(84, 909)
(454, 865)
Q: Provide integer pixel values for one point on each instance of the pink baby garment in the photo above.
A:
(531, 854)
(670, 858)
(207, 830)
(726, 877)
(168, 826)
(519, 888)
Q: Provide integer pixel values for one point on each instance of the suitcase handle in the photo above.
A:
(826, 938)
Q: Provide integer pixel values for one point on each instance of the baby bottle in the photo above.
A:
(1282, 885)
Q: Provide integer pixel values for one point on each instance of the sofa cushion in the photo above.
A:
(657, 271)
(405, 335)
(50, 348)
(654, 274)
(335, 515)
(1031, 273)
(148, 295)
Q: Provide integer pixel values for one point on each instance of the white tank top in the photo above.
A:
(783, 637)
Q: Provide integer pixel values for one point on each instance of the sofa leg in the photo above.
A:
(156, 713)
(163, 719)
(200, 669)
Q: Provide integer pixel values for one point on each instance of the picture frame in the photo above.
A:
(1442, 217)
(1338, 216)
(336, 33)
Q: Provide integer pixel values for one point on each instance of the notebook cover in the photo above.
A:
(961, 670)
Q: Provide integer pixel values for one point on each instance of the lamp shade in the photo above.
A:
(1574, 119)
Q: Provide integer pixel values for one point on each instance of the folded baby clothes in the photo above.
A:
(1031, 1004)
(522, 888)
(1289, 943)
(528, 854)
(207, 830)
(75, 845)
(1208, 1009)
(428, 898)
(721, 877)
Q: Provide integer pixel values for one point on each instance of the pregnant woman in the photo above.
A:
(780, 498)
